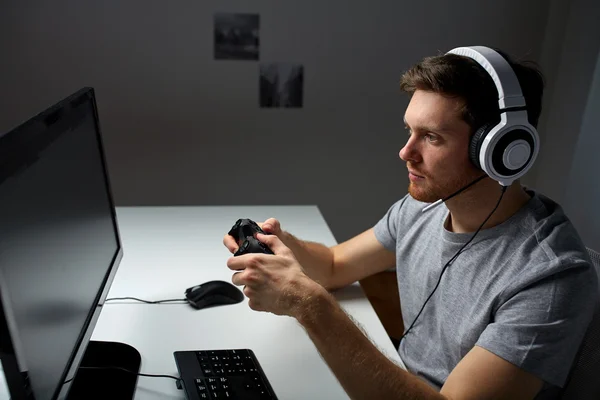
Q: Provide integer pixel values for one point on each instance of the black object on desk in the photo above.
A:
(95, 382)
(213, 293)
(227, 374)
(61, 248)
(243, 232)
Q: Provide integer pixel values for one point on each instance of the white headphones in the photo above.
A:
(507, 150)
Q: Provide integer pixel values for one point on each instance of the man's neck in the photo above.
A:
(469, 209)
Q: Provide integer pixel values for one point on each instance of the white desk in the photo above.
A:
(3, 385)
(168, 249)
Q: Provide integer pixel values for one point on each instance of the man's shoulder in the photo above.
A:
(546, 245)
(552, 230)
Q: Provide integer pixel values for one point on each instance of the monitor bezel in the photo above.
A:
(14, 366)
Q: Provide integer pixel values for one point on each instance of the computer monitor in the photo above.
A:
(59, 245)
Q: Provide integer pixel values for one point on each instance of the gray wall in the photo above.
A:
(569, 56)
(583, 189)
(182, 128)
(568, 167)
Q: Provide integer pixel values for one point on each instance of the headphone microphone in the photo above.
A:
(440, 201)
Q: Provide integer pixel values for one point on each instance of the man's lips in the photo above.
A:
(415, 174)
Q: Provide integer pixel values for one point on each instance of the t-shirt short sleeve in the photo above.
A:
(540, 324)
(386, 229)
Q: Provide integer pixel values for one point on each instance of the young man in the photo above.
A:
(503, 319)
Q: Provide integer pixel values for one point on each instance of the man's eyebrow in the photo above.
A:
(437, 129)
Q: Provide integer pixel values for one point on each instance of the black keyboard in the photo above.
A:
(223, 374)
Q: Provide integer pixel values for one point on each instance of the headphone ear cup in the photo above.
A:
(476, 142)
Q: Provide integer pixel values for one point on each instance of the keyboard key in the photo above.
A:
(231, 374)
(255, 377)
(202, 356)
(202, 390)
(217, 353)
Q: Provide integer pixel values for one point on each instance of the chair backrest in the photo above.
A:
(584, 380)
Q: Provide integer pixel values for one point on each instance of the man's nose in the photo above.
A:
(410, 151)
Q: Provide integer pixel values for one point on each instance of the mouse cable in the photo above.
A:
(131, 372)
(184, 301)
(452, 260)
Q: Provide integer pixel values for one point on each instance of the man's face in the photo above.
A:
(437, 151)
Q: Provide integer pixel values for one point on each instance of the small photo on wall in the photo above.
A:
(236, 36)
(281, 85)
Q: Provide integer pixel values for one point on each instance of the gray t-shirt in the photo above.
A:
(522, 289)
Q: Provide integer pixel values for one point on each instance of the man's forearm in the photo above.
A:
(316, 258)
(363, 371)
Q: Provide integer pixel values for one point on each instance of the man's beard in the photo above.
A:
(430, 192)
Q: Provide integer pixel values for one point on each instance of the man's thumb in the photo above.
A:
(273, 242)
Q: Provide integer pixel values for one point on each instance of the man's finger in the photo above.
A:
(274, 243)
(238, 263)
(245, 278)
(254, 304)
(236, 279)
(230, 243)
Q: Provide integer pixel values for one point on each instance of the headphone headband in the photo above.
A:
(509, 90)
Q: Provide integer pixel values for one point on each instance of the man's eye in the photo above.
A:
(430, 138)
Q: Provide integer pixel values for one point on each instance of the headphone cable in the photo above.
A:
(464, 188)
(451, 260)
(440, 201)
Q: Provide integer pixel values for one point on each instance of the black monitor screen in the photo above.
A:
(58, 242)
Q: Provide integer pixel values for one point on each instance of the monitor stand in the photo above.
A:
(106, 383)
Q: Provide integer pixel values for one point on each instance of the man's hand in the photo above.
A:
(271, 226)
(273, 283)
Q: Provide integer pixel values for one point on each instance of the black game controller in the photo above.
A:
(243, 231)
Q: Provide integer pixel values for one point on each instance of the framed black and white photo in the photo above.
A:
(281, 85)
(236, 36)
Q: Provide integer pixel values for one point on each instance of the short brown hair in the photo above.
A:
(454, 75)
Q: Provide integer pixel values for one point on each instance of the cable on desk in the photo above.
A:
(183, 301)
(131, 372)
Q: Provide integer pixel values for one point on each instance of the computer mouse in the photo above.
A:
(213, 293)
